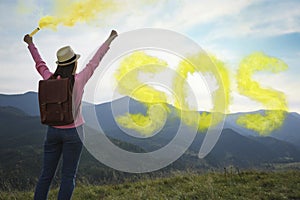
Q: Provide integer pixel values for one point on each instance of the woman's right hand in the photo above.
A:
(27, 39)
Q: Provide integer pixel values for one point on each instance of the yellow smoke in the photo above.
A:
(202, 63)
(129, 84)
(148, 124)
(274, 101)
(68, 12)
(156, 101)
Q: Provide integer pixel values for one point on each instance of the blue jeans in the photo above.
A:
(65, 142)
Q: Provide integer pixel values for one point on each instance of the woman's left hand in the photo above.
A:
(27, 39)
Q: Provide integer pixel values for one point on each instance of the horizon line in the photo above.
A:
(105, 102)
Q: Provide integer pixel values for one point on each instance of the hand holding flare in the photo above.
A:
(28, 37)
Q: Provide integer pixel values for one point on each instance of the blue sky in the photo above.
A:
(229, 29)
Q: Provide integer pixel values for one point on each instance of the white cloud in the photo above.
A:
(260, 19)
(193, 13)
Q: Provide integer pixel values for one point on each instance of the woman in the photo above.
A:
(65, 140)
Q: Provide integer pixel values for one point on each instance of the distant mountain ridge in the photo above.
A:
(289, 131)
(28, 102)
(22, 135)
(19, 129)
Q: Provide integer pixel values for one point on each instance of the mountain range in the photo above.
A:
(22, 135)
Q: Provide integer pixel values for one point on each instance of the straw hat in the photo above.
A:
(66, 56)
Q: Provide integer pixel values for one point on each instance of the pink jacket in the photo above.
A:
(80, 79)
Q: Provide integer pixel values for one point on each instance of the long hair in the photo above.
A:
(66, 72)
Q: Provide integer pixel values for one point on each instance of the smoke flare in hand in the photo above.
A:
(34, 31)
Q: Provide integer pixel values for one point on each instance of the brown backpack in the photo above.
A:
(55, 101)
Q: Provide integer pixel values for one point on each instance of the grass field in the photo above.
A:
(243, 185)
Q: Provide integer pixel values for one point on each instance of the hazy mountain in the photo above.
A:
(27, 102)
(21, 149)
(22, 135)
(19, 129)
(111, 128)
(235, 149)
(289, 131)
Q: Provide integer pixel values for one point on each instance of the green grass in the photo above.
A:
(245, 185)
